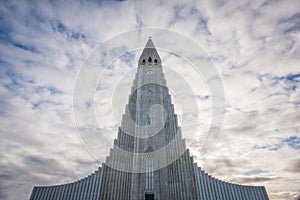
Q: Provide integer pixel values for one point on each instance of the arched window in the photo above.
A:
(149, 173)
(149, 59)
(155, 61)
(144, 61)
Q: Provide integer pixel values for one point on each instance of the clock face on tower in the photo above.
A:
(149, 73)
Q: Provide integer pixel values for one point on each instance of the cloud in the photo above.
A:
(294, 166)
(254, 45)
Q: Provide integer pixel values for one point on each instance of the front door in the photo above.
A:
(149, 196)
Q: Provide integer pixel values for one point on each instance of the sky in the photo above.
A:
(253, 44)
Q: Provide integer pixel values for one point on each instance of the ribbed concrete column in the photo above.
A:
(203, 185)
(215, 189)
(68, 196)
(202, 190)
(92, 189)
(210, 190)
(99, 179)
(228, 186)
(260, 193)
(104, 179)
(44, 192)
(47, 193)
(254, 194)
(97, 185)
(206, 184)
(247, 193)
(55, 191)
(81, 183)
(235, 192)
(257, 197)
(197, 181)
(218, 192)
(73, 190)
(82, 188)
(221, 195)
(77, 190)
(39, 193)
(232, 191)
(33, 193)
(51, 193)
(88, 187)
(225, 192)
(265, 193)
(65, 193)
(59, 191)
(240, 194)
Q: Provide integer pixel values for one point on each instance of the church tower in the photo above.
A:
(149, 159)
(150, 127)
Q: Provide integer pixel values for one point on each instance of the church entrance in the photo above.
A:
(149, 196)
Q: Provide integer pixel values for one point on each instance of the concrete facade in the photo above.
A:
(169, 174)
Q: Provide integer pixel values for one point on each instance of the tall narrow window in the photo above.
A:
(149, 173)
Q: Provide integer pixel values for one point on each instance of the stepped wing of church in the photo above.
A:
(149, 160)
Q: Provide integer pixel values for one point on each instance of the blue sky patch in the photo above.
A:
(127, 58)
(254, 172)
(293, 142)
(293, 77)
(24, 47)
(59, 27)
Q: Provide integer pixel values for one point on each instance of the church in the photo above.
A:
(149, 159)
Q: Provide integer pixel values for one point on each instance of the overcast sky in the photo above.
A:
(254, 45)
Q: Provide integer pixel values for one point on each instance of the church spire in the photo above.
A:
(149, 54)
(149, 43)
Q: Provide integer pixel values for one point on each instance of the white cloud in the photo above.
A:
(254, 45)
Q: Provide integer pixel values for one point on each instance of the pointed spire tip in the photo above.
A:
(150, 43)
